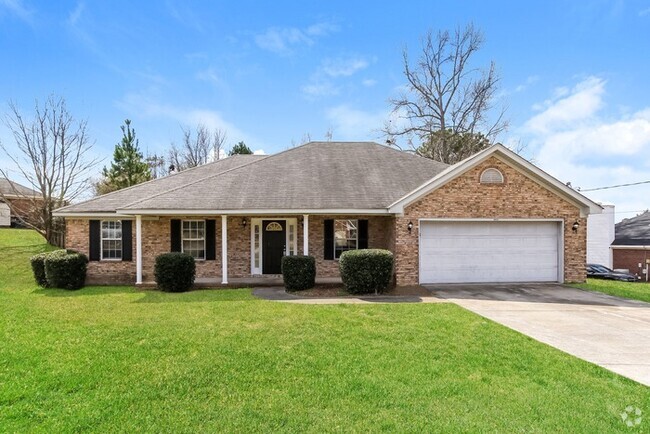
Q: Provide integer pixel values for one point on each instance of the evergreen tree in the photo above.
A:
(240, 148)
(128, 167)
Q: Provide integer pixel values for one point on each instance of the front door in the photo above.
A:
(273, 248)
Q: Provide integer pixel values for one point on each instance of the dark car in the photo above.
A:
(597, 271)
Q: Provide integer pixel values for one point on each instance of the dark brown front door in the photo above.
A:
(273, 245)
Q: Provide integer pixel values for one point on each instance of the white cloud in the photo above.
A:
(577, 142)
(343, 67)
(353, 124)
(282, 40)
(142, 105)
(529, 80)
(321, 82)
(583, 102)
(368, 82)
(259, 152)
(319, 89)
(76, 13)
(18, 8)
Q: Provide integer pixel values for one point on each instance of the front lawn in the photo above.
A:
(107, 359)
(632, 290)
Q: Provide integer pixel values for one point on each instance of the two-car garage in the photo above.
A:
(477, 251)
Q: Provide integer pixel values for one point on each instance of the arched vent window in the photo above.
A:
(491, 176)
(274, 227)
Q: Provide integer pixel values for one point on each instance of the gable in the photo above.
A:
(518, 196)
(510, 160)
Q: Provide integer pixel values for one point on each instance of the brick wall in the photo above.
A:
(630, 259)
(156, 240)
(465, 197)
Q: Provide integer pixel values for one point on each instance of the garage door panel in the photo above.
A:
(489, 252)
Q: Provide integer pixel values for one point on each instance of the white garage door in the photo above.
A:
(479, 251)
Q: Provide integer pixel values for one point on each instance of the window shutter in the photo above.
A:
(210, 253)
(127, 243)
(175, 236)
(329, 239)
(95, 241)
(363, 234)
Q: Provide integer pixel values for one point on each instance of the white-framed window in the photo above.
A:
(346, 236)
(111, 237)
(491, 176)
(193, 238)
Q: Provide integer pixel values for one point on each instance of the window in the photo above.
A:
(193, 238)
(491, 176)
(346, 236)
(111, 236)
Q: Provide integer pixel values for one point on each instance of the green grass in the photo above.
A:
(116, 359)
(632, 290)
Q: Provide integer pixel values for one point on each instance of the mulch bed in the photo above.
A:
(323, 291)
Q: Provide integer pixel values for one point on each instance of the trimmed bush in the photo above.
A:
(299, 272)
(174, 272)
(65, 269)
(366, 271)
(38, 268)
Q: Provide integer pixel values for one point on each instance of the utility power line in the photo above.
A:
(615, 186)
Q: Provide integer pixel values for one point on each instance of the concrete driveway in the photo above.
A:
(608, 331)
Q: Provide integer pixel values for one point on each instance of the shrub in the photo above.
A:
(65, 269)
(366, 271)
(298, 272)
(38, 268)
(174, 272)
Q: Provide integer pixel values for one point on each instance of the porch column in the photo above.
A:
(138, 249)
(305, 234)
(224, 249)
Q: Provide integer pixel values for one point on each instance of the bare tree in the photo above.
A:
(199, 147)
(51, 153)
(447, 110)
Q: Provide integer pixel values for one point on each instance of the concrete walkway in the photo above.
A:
(608, 331)
(279, 294)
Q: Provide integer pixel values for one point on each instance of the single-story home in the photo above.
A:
(631, 246)
(493, 217)
(16, 202)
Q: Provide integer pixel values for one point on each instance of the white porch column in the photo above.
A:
(138, 249)
(224, 249)
(305, 234)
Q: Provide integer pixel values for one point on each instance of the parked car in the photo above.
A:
(597, 271)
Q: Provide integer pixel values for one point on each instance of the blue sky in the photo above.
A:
(574, 75)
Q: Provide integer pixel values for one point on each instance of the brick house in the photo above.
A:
(493, 217)
(631, 246)
(17, 203)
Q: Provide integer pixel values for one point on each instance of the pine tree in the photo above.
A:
(240, 148)
(128, 167)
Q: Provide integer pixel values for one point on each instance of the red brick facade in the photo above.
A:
(462, 197)
(633, 260)
(156, 236)
(465, 197)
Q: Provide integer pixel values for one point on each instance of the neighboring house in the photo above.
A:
(631, 247)
(600, 235)
(16, 202)
(493, 217)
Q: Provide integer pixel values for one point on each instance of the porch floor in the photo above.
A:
(246, 282)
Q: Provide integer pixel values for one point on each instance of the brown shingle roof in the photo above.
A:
(11, 188)
(318, 175)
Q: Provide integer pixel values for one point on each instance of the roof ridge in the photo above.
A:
(214, 175)
(121, 190)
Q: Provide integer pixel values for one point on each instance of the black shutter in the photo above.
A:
(127, 240)
(210, 253)
(175, 236)
(329, 239)
(363, 234)
(95, 241)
